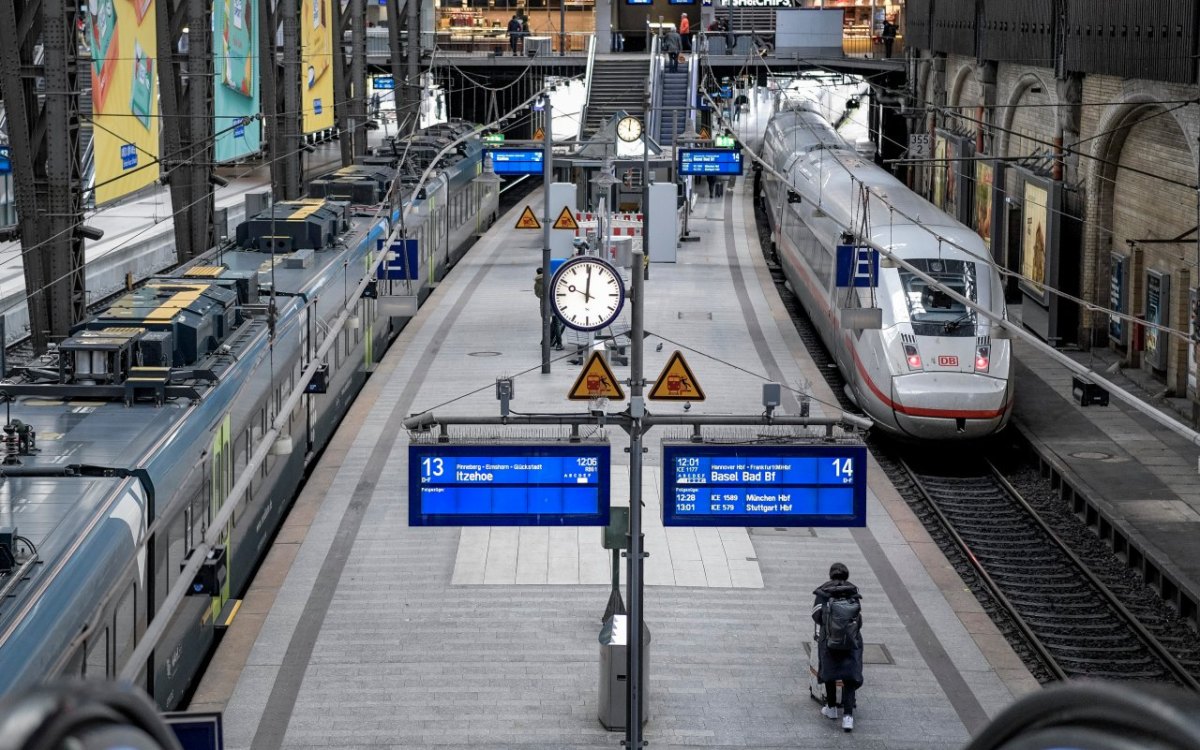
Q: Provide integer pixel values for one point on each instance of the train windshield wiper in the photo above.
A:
(952, 325)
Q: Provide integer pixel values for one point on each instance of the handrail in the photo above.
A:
(653, 89)
(587, 82)
(693, 86)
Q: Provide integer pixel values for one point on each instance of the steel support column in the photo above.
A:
(43, 129)
(358, 74)
(186, 101)
(413, 91)
(396, 60)
(282, 108)
(340, 23)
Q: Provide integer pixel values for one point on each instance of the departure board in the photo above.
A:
(714, 161)
(517, 161)
(764, 485)
(563, 484)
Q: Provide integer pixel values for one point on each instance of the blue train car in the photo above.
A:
(124, 444)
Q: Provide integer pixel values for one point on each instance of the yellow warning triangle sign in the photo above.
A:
(676, 382)
(539, 134)
(596, 381)
(704, 134)
(566, 219)
(528, 220)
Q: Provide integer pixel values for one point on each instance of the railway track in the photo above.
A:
(1077, 625)
(1065, 616)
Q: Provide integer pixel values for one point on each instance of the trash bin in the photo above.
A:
(614, 673)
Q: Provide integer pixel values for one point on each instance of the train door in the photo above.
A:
(220, 484)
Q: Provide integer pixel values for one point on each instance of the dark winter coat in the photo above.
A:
(846, 666)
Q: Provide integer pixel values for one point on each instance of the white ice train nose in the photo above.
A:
(936, 405)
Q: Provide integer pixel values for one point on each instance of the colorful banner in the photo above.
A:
(1033, 243)
(984, 179)
(122, 38)
(235, 85)
(316, 72)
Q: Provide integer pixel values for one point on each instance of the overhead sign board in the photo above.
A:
(196, 731)
(706, 161)
(857, 266)
(557, 484)
(723, 141)
(493, 138)
(764, 485)
(383, 83)
(517, 161)
(5, 159)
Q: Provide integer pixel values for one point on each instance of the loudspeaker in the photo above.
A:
(82, 715)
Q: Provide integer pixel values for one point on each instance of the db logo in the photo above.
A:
(947, 360)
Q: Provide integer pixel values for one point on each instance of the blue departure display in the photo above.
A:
(764, 485)
(706, 161)
(517, 161)
(508, 485)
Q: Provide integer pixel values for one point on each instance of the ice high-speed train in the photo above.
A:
(935, 370)
(147, 414)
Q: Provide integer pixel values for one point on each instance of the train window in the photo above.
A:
(240, 453)
(177, 535)
(96, 665)
(123, 627)
(932, 311)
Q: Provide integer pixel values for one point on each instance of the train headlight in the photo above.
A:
(912, 356)
(983, 358)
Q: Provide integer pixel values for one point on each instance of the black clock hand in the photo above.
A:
(587, 292)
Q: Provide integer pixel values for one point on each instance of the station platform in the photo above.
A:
(361, 631)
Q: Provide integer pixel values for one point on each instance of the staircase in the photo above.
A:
(618, 85)
(673, 116)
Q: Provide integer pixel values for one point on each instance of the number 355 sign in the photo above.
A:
(920, 146)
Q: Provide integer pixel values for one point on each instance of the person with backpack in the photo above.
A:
(838, 614)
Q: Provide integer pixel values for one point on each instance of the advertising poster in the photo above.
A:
(122, 40)
(1033, 243)
(938, 189)
(985, 177)
(951, 172)
(316, 71)
(235, 83)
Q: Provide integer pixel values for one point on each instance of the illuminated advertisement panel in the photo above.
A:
(316, 71)
(235, 83)
(122, 39)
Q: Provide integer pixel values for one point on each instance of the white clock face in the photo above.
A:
(587, 294)
(629, 128)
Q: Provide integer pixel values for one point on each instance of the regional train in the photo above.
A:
(936, 370)
(123, 444)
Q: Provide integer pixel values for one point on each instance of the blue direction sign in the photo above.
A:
(5, 160)
(857, 266)
(508, 485)
(383, 83)
(706, 161)
(764, 485)
(517, 161)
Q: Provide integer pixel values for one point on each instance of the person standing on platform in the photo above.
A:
(889, 36)
(685, 30)
(712, 183)
(838, 614)
(671, 45)
(514, 32)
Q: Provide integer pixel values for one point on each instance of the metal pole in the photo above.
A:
(637, 409)
(562, 27)
(645, 269)
(547, 176)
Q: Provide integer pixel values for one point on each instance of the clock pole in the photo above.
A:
(547, 176)
(635, 562)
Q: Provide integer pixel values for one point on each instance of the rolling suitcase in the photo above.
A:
(816, 688)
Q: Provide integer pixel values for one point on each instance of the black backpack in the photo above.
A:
(840, 623)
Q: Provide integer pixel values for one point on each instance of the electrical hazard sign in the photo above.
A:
(528, 220)
(566, 219)
(596, 381)
(539, 134)
(676, 382)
